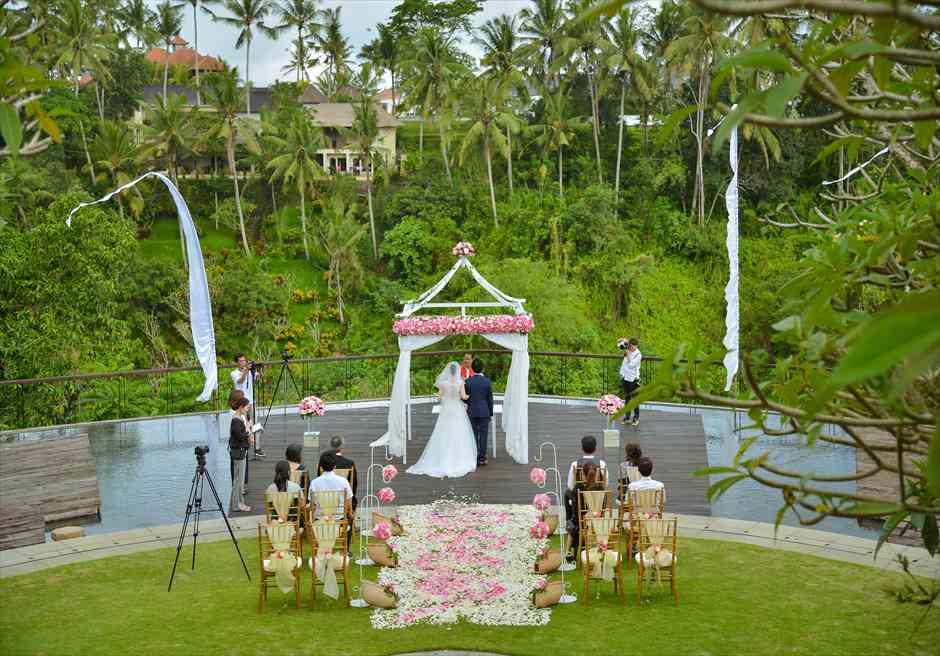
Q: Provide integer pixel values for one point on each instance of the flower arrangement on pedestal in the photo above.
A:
(478, 325)
(311, 406)
(464, 249)
(610, 404)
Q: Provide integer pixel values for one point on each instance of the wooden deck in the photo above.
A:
(675, 441)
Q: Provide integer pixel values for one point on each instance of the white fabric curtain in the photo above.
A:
(731, 289)
(515, 419)
(397, 434)
(200, 307)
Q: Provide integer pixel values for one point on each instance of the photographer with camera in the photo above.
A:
(630, 373)
(243, 378)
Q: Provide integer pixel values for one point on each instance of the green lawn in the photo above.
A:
(735, 599)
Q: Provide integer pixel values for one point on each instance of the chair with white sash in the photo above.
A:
(285, 508)
(329, 560)
(657, 554)
(590, 503)
(280, 560)
(640, 505)
(601, 557)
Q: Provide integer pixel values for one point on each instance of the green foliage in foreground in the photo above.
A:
(734, 599)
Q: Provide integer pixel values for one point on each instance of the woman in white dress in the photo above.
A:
(452, 451)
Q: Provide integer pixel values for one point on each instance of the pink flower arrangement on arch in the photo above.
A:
(541, 502)
(464, 249)
(311, 406)
(609, 404)
(386, 495)
(478, 325)
(537, 476)
(389, 472)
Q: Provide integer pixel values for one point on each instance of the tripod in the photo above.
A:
(285, 366)
(194, 509)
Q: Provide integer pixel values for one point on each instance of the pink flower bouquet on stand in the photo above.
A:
(537, 476)
(310, 407)
(609, 405)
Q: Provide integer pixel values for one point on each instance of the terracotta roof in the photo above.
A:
(341, 115)
(179, 41)
(385, 94)
(85, 80)
(312, 96)
(184, 57)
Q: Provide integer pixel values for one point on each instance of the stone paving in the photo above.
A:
(833, 546)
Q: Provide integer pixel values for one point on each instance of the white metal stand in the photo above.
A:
(367, 504)
(562, 514)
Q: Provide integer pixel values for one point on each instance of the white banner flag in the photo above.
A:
(731, 340)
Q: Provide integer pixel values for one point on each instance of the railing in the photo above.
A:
(154, 392)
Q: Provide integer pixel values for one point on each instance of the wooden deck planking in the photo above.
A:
(674, 441)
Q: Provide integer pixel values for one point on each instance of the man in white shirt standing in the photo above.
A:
(646, 481)
(630, 375)
(243, 379)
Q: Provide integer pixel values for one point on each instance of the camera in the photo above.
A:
(623, 343)
(201, 451)
(254, 366)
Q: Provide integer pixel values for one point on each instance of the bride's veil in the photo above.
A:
(450, 375)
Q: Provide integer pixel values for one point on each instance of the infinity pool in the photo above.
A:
(145, 468)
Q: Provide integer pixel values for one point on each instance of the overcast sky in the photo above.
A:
(359, 18)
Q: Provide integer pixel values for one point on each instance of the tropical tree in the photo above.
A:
(139, 18)
(298, 15)
(247, 16)
(482, 94)
(384, 52)
(296, 164)
(365, 134)
(115, 153)
(169, 24)
(502, 61)
(330, 41)
(543, 28)
(299, 60)
(82, 44)
(437, 73)
(556, 130)
(225, 96)
(693, 54)
(339, 235)
(197, 5)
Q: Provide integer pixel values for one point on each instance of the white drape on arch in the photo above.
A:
(515, 419)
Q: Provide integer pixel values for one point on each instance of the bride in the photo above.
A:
(451, 451)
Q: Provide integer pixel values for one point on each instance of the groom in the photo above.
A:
(479, 407)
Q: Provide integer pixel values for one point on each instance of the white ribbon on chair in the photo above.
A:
(282, 561)
(602, 554)
(328, 504)
(282, 502)
(326, 561)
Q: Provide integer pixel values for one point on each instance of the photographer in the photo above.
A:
(630, 373)
(243, 378)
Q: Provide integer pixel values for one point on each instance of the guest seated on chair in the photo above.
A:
(588, 448)
(590, 483)
(294, 455)
(646, 481)
(632, 455)
(328, 481)
(282, 481)
(337, 442)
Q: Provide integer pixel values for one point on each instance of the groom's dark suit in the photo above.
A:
(480, 409)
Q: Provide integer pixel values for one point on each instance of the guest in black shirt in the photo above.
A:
(239, 441)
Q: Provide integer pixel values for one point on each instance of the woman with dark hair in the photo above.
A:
(632, 455)
(282, 481)
(593, 482)
(239, 441)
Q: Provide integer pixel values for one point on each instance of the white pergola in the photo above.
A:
(515, 416)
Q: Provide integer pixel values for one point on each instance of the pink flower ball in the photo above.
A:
(389, 472)
(537, 476)
(382, 531)
(541, 502)
(539, 531)
(386, 495)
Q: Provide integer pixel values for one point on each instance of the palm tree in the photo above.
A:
(225, 96)
(556, 129)
(296, 162)
(339, 234)
(482, 94)
(542, 31)
(116, 153)
(631, 69)
(693, 54)
(247, 16)
(139, 18)
(197, 5)
(83, 45)
(365, 134)
(437, 73)
(587, 40)
(299, 60)
(502, 59)
(298, 15)
(169, 24)
(330, 40)
(384, 53)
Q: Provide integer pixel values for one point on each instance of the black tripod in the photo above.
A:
(285, 366)
(194, 509)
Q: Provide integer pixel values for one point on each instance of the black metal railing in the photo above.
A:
(154, 392)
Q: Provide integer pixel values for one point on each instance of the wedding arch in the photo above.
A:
(511, 331)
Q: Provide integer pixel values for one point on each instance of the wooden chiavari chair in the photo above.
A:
(329, 559)
(640, 504)
(657, 554)
(602, 557)
(589, 502)
(279, 559)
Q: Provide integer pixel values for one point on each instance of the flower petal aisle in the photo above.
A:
(463, 561)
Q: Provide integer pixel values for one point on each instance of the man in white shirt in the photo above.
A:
(243, 380)
(588, 448)
(328, 481)
(630, 375)
(646, 481)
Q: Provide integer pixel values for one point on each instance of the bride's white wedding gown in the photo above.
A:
(452, 450)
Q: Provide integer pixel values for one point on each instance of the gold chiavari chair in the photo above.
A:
(329, 559)
(590, 503)
(657, 554)
(279, 560)
(641, 504)
(602, 557)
